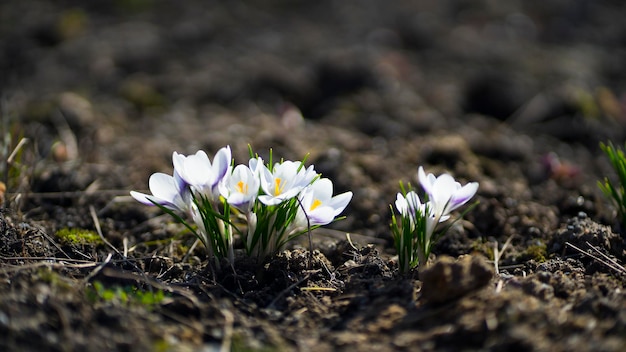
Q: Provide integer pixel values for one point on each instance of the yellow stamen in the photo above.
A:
(316, 203)
(278, 188)
(242, 187)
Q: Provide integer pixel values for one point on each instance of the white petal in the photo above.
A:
(163, 187)
(180, 184)
(463, 195)
(307, 176)
(323, 189)
(413, 202)
(142, 197)
(197, 169)
(322, 216)
(237, 199)
(267, 180)
(179, 161)
(401, 204)
(269, 200)
(221, 162)
(444, 184)
(340, 202)
(254, 164)
(424, 180)
(290, 193)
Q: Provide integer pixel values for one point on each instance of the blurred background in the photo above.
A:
(370, 88)
(397, 63)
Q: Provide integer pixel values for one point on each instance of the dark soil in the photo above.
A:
(514, 95)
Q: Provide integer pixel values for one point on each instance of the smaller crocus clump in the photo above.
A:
(415, 233)
(264, 205)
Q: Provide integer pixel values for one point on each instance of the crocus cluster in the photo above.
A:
(266, 205)
(415, 233)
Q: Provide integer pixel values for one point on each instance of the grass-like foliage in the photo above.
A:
(409, 232)
(616, 191)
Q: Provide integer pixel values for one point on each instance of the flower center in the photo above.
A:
(316, 203)
(242, 187)
(278, 186)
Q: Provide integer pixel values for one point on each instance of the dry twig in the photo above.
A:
(603, 259)
(94, 216)
(497, 253)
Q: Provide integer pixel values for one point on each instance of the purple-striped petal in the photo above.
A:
(463, 195)
(221, 162)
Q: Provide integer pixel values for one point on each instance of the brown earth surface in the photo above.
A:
(515, 95)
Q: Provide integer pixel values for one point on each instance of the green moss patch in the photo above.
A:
(78, 236)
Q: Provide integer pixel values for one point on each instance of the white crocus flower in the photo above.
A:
(319, 205)
(202, 175)
(284, 182)
(445, 194)
(241, 188)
